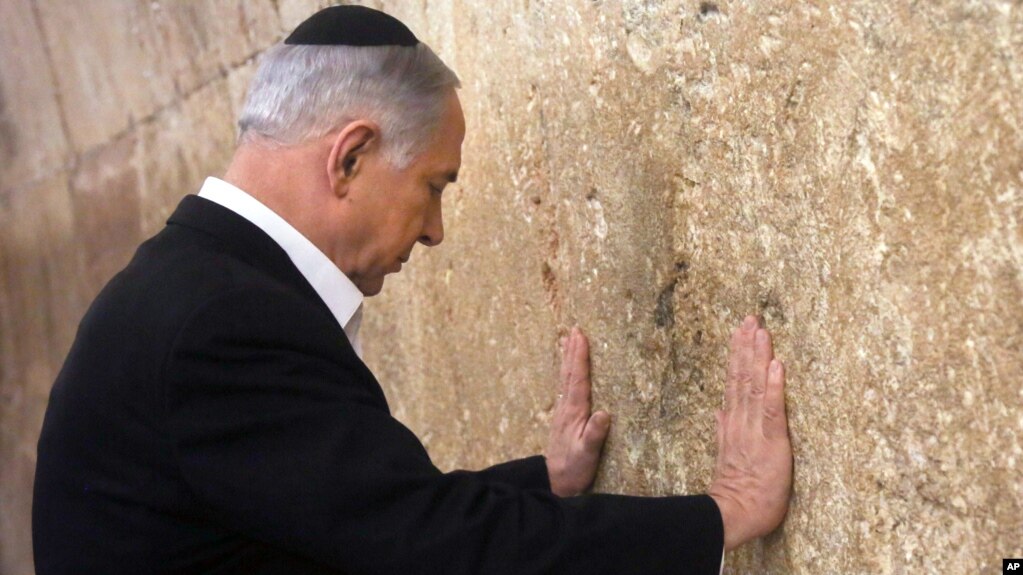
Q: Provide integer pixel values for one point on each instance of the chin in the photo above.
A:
(373, 288)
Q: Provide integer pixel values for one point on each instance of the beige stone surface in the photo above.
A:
(32, 140)
(650, 171)
(105, 199)
(180, 147)
(119, 61)
(41, 308)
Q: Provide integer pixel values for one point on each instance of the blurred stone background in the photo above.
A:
(649, 170)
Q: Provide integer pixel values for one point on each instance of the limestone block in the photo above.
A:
(16, 477)
(181, 147)
(655, 171)
(108, 222)
(41, 309)
(650, 171)
(118, 62)
(40, 265)
(206, 39)
(32, 142)
(6, 322)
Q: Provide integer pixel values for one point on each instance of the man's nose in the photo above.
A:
(433, 230)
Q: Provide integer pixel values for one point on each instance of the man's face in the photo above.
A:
(398, 208)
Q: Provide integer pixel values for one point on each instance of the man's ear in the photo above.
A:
(348, 154)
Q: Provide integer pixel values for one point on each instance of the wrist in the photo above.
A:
(731, 518)
(559, 480)
(554, 478)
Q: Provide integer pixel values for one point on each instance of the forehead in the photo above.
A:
(444, 153)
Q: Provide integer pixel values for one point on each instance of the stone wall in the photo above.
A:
(649, 170)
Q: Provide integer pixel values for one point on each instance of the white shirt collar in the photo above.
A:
(342, 297)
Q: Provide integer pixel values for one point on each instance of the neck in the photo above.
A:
(292, 182)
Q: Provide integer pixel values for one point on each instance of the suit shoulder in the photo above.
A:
(180, 273)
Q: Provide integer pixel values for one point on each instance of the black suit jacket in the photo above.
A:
(212, 417)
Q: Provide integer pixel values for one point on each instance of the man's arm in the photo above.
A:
(282, 437)
(526, 473)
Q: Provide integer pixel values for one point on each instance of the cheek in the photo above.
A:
(400, 231)
(413, 221)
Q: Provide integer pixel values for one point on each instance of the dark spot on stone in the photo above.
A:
(698, 337)
(770, 309)
(697, 377)
(243, 21)
(536, 200)
(664, 312)
(8, 132)
(682, 266)
(191, 19)
(550, 281)
(553, 241)
(689, 375)
(795, 95)
(708, 8)
(591, 194)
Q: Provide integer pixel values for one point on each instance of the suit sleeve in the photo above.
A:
(284, 440)
(525, 473)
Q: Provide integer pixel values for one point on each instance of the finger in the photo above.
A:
(731, 379)
(719, 416)
(597, 428)
(763, 353)
(566, 366)
(740, 364)
(579, 383)
(775, 421)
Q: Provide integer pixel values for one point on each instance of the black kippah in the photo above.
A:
(352, 26)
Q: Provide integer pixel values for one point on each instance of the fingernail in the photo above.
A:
(761, 336)
(749, 323)
(775, 365)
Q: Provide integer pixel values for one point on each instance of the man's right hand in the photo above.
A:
(753, 475)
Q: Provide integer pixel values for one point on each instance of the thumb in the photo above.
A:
(596, 429)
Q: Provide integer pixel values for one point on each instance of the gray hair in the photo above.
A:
(303, 92)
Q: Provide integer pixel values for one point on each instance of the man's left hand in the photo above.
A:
(577, 437)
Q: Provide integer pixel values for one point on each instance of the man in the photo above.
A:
(214, 415)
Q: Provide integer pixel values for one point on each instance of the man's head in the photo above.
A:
(351, 144)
